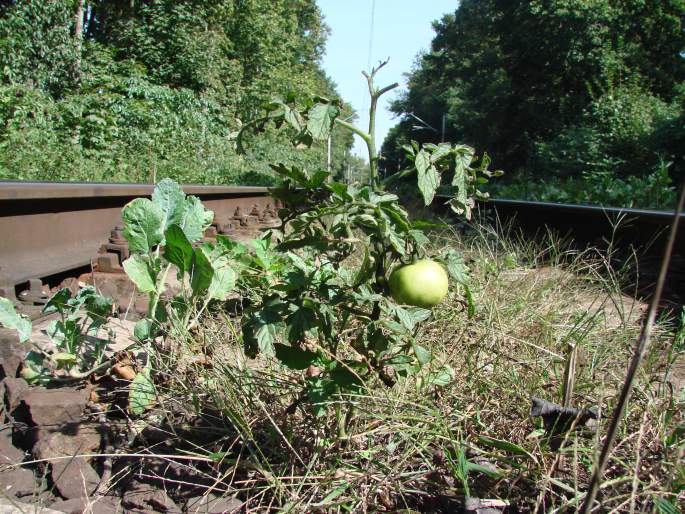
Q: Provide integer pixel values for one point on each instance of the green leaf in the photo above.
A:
(346, 374)
(10, 319)
(144, 329)
(195, 219)
(261, 327)
(293, 117)
(506, 446)
(293, 357)
(665, 506)
(457, 268)
(138, 270)
(223, 282)
(439, 152)
(427, 176)
(170, 199)
(440, 377)
(63, 358)
(320, 120)
(300, 323)
(58, 302)
(317, 179)
(177, 248)
(142, 393)
(422, 355)
(201, 272)
(410, 316)
(143, 225)
(296, 174)
(470, 303)
(419, 238)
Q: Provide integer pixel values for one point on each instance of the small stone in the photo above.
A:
(8, 453)
(55, 407)
(73, 439)
(13, 506)
(15, 389)
(17, 482)
(74, 478)
(12, 353)
(213, 504)
(144, 498)
(102, 505)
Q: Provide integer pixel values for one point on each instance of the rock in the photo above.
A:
(73, 477)
(73, 439)
(13, 507)
(8, 453)
(12, 353)
(145, 499)
(480, 506)
(55, 407)
(15, 389)
(213, 504)
(102, 505)
(17, 482)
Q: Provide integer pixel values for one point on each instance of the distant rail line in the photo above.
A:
(50, 232)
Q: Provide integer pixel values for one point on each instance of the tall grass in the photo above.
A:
(551, 323)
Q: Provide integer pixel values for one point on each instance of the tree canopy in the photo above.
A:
(553, 88)
(136, 90)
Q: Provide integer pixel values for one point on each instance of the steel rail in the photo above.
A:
(50, 228)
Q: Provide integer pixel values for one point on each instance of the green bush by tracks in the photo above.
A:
(147, 91)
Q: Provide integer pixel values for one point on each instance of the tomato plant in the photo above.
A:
(331, 312)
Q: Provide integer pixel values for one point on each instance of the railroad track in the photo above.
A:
(634, 236)
(57, 234)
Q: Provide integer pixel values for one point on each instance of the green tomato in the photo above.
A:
(422, 284)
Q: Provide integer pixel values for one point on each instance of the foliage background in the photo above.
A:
(576, 100)
(153, 89)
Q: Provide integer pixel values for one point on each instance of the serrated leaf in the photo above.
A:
(223, 282)
(320, 120)
(300, 323)
(439, 152)
(456, 267)
(440, 377)
(428, 178)
(142, 393)
(137, 269)
(170, 199)
(422, 355)
(260, 329)
(293, 357)
(317, 179)
(143, 222)
(58, 302)
(177, 248)
(9, 318)
(410, 316)
(296, 174)
(419, 238)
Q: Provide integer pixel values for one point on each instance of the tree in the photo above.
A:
(514, 77)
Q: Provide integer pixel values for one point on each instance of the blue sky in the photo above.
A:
(402, 29)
